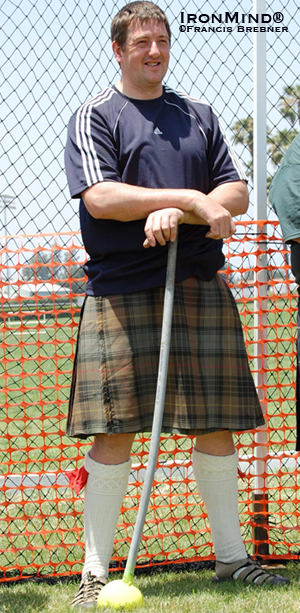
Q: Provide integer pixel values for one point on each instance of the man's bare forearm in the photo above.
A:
(123, 202)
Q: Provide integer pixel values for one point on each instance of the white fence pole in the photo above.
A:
(260, 304)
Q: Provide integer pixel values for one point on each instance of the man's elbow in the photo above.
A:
(244, 198)
(94, 199)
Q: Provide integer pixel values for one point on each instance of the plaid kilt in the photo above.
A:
(210, 386)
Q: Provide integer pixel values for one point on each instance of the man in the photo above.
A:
(284, 195)
(145, 159)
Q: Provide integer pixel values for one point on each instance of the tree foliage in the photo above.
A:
(278, 142)
(243, 135)
(289, 104)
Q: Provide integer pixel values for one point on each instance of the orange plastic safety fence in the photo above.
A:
(41, 521)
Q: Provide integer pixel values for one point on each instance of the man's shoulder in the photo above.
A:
(293, 153)
(106, 98)
(288, 169)
(180, 97)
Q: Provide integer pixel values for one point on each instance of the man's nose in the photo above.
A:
(154, 50)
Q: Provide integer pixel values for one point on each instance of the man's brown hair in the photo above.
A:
(142, 11)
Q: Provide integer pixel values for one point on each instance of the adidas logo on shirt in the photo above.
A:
(157, 131)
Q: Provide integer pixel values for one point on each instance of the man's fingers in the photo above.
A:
(150, 240)
(161, 227)
(222, 229)
(155, 234)
(173, 233)
(174, 222)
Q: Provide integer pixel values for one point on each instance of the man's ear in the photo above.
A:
(117, 50)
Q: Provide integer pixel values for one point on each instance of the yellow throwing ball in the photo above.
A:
(120, 595)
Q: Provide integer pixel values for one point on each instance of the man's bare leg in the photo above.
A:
(112, 448)
(218, 443)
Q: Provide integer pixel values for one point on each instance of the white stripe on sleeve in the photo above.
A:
(84, 139)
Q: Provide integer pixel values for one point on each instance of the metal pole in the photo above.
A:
(7, 200)
(260, 495)
(259, 117)
(158, 411)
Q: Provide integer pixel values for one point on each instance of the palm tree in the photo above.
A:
(243, 135)
(289, 107)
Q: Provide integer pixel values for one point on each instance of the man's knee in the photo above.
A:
(112, 448)
(219, 443)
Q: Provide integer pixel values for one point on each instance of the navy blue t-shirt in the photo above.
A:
(174, 141)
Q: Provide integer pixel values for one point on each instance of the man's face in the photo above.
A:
(144, 60)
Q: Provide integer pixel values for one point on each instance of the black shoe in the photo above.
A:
(248, 571)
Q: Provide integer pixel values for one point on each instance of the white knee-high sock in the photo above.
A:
(104, 492)
(216, 478)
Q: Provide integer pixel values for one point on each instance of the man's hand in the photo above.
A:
(217, 208)
(161, 226)
(213, 214)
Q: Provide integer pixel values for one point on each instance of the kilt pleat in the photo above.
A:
(210, 386)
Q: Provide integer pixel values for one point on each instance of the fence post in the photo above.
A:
(260, 495)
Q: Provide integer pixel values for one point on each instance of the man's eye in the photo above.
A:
(142, 43)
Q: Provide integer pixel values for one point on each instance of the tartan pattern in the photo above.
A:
(210, 386)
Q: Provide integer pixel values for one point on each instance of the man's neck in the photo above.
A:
(138, 94)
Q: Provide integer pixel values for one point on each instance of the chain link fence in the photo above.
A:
(53, 56)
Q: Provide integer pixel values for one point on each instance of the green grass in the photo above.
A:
(187, 592)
